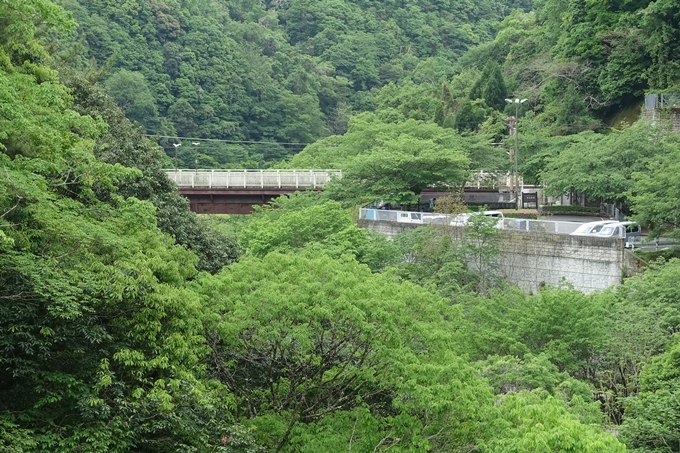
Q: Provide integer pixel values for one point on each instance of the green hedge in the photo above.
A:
(520, 215)
(564, 209)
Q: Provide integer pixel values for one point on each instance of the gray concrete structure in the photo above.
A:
(534, 259)
(667, 116)
(663, 109)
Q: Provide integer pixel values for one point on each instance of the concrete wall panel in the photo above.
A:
(533, 259)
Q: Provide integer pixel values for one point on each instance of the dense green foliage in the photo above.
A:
(270, 77)
(266, 79)
(101, 342)
(573, 208)
(129, 324)
(285, 71)
(123, 143)
(392, 161)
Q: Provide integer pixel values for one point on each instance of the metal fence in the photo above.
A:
(421, 218)
(425, 218)
(252, 179)
(544, 226)
(660, 101)
(299, 179)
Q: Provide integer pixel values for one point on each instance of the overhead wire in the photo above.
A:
(241, 142)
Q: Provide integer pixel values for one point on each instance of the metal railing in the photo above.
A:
(544, 226)
(252, 179)
(422, 218)
(643, 241)
(425, 218)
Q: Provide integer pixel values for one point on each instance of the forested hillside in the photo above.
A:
(275, 71)
(127, 323)
(583, 68)
(258, 82)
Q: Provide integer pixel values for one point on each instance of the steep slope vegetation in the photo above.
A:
(283, 71)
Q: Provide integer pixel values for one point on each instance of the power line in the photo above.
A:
(234, 148)
(331, 145)
(242, 142)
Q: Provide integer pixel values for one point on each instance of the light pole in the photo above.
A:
(176, 145)
(517, 102)
(196, 155)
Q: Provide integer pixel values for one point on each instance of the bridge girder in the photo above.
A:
(211, 201)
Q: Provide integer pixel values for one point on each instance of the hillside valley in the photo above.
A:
(130, 324)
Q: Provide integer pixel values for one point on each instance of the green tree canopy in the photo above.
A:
(388, 161)
(490, 86)
(301, 338)
(654, 195)
(652, 416)
(535, 421)
(602, 165)
(131, 92)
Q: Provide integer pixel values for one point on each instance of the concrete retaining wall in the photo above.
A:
(670, 116)
(532, 259)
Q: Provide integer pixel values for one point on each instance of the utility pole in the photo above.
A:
(518, 195)
(511, 126)
(196, 155)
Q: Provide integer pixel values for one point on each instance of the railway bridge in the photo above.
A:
(237, 191)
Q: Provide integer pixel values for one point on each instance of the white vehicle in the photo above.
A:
(622, 230)
(409, 217)
(591, 227)
(464, 219)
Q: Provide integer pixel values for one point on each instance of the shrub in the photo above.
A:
(520, 215)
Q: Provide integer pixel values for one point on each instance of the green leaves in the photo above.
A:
(387, 161)
(560, 323)
(602, 165)
(534, 421)
(124, 144)
(131, 92)
(100, 342)
(23, 17)
(293, 331)
(651, 423)
(110, 340)
(398, 170)
(277, 71)
(294, 228)
(654, 194)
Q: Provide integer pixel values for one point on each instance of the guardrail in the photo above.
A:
(252, 179)
(426, 218)
(643, 241)
(404, 216)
